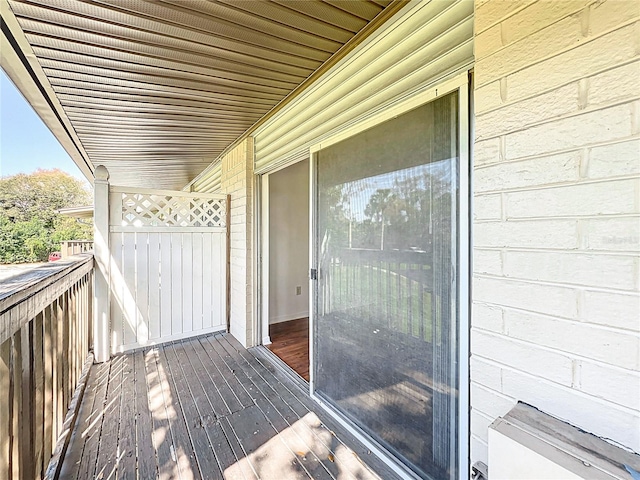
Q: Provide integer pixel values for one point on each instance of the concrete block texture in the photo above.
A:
(519, 115)
(539, 171)
(596, 126)
(612, 234)
(572, 268)
(579, 199)
(614, 160)
(594, 54)
(556, 226)
(538, 234)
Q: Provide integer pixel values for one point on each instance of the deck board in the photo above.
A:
(145, 453)
(221, 361)
(205, 416)
(207, 408)
(313, 459)
(204, 372)
(80, 460)
(208, 358)
(206, 463)
(183, 447)
(320, 433)
(127, 465)
(160, 419)
(280, 418)
(107, 456)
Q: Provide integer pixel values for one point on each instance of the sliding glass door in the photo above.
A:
(386, 321)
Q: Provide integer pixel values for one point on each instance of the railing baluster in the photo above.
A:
(38, 390)
(26, 413)
(79, 324)
(90, 312)
(59, 363)
(78, 330)
(55, 381)
(5, 409)
(64, 352)
(16, 393)
(72, 340)
(85, 314)
(49, 409)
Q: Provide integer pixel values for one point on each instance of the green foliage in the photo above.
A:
(30, 227)
(401, 216)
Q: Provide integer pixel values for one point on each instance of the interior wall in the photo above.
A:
(289, 243)
(556, 215)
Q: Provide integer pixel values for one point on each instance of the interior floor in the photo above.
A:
(290, 342)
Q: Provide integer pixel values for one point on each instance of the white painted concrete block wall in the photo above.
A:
(556, 310)
(237, 181)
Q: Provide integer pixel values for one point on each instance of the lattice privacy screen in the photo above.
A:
(172, 211)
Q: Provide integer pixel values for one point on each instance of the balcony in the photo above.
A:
(510, 159)
(204, 407)
(76, 247)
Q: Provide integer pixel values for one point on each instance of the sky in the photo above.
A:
(26, 143)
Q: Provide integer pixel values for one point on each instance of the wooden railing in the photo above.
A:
(75, 247)
(45, 336)
(391, 289)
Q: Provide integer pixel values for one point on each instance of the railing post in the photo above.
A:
(101, 254)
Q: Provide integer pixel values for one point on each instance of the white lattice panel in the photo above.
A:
(159, 210)
(168, 270)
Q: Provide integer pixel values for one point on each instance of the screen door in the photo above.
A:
(385, 330)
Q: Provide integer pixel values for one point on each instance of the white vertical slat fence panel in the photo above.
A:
(196, 281)
(218, 295)
(207, 297)
(153, 312)
(168, 270)
(176, 283)
(129, 294)
(187, 282)
(142, 287)
(165, 287)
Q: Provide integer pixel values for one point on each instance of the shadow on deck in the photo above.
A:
(207, 408)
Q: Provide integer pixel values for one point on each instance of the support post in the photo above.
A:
(101, 254)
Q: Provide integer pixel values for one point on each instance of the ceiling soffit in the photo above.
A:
(157, 90)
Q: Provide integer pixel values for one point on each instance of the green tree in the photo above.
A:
(30, 227)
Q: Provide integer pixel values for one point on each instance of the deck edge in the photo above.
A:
(57, 459)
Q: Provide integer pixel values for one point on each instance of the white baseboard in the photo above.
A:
(287, 317)
(266, 340)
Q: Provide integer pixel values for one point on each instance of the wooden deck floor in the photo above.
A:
(207, 408)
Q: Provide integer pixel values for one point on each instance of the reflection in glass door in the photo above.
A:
(385, 312)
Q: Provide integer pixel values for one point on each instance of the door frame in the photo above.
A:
(460, 83)
(262, 237)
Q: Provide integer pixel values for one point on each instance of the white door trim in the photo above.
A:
(264, 259)
(262, 225)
